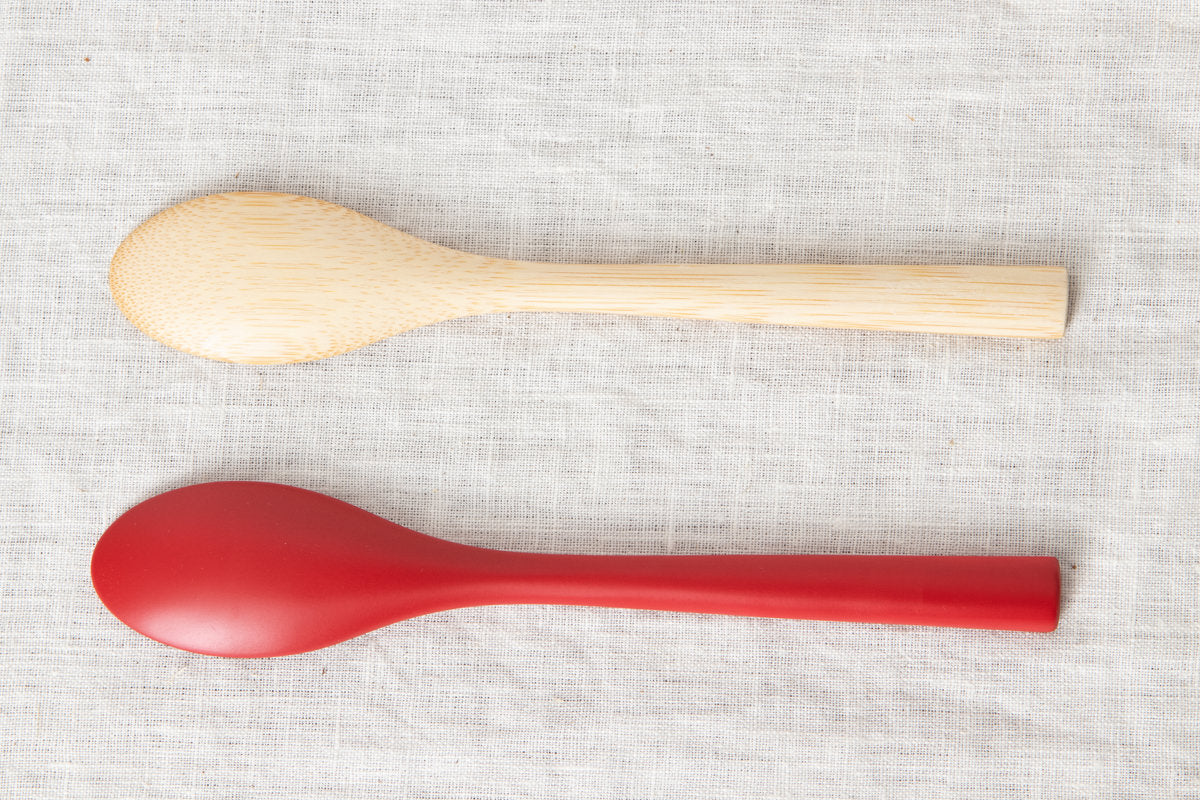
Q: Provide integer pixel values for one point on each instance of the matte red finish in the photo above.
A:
(259, 569)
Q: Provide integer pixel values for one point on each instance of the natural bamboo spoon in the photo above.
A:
(265, 278)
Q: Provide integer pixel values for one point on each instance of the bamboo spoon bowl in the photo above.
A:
(269, 278)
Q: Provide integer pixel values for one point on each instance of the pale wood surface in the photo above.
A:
(267, 278)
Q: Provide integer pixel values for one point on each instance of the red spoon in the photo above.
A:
(251, 569)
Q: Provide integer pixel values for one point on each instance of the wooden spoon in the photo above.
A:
(259, 569)
(265, 278)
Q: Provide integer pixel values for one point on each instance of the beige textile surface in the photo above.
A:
(876, 132)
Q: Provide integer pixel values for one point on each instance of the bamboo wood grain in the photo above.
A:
(267, 278)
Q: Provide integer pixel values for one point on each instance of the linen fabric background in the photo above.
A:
(835, 132)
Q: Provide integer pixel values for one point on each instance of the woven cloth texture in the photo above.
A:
(1003, 132)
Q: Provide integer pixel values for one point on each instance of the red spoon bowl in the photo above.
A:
(248, 569)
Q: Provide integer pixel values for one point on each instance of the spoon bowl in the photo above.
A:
(248, 569)
(268, 278)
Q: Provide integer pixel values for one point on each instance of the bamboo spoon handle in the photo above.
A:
(974, 300)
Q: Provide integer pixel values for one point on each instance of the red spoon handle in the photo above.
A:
(1001, 592)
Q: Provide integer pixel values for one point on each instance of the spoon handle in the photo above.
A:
(1025, 301)
(997, 592)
